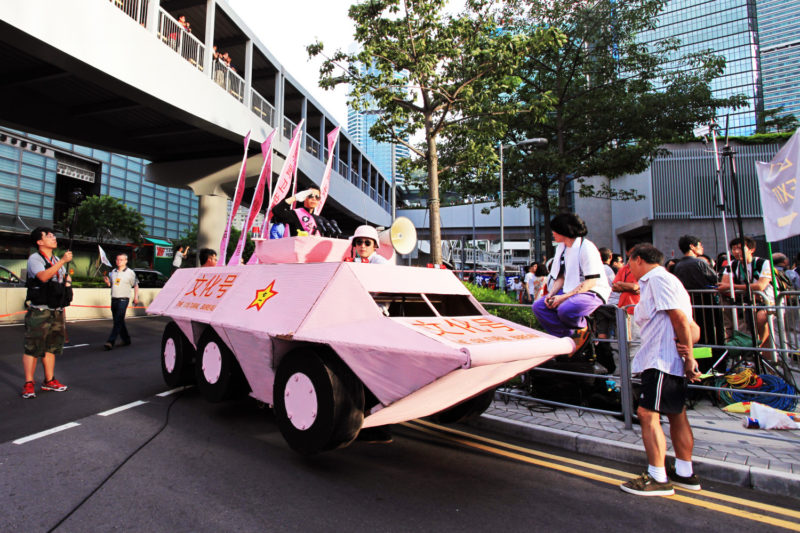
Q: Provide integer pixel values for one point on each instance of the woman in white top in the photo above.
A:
(577, 284)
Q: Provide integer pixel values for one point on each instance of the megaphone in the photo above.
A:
(402, 236)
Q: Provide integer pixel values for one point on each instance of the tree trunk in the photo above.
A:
(548, 233)
(433, 199)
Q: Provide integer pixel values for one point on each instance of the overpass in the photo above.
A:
(126, 76)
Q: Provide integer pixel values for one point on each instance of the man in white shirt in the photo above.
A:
(663, 314)
(122, 281)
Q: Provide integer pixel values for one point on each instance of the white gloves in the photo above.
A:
(302, 195)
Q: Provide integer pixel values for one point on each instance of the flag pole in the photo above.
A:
(721, 207)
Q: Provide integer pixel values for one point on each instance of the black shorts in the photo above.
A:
(662, 393)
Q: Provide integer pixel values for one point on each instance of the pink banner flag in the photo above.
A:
(326, 178)
(237, 200)
(258, 198)
(285, 177)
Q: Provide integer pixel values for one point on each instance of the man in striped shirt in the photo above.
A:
(665, 361)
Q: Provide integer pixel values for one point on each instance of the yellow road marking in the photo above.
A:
(468, 439)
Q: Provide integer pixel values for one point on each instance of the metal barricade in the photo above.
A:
(262, 108)
(174, 35)
(135, 9)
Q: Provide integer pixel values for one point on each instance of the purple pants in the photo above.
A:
(569, 316)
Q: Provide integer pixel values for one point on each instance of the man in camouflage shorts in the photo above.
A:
(44, 320)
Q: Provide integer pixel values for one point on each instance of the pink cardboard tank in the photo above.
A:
(337, 346)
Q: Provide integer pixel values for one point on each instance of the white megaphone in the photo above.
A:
(402, 236)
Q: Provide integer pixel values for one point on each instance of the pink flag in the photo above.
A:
(326, 178)
(258, 198)
(237, 200)
(285, 177)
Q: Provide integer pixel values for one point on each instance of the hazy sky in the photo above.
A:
(287, 27)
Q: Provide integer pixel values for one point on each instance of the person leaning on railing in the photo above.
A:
(749, 270)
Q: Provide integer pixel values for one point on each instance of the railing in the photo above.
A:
(776, 358)
(262, 108)
(176, 37)
(354, 177)
(135, 9)
(225, 77)
(312, 146)
(288, 127)
(344, 170)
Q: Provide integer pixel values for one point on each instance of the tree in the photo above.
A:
(615, 101)
(103, 218)
(776, 119)
(429, 71)
(190, 239)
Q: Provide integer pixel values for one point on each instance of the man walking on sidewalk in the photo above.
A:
(663, 314)
(121, 280)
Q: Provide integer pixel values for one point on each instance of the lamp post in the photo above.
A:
(538, 141)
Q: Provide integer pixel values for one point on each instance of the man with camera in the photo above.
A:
(49, 292)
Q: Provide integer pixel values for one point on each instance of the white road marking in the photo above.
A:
(46, 432)
(173, 391)
(76, 346)
(122, 408)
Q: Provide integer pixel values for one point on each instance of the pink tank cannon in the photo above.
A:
(337, 346)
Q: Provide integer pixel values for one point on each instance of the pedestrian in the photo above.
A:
(665, 361)
(121, 280)
(179, 256)
(47, 282)
(208, 257)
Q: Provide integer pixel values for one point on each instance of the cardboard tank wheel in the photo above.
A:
(177, 357)
(217, 372)
(318, 401)
(465, 410)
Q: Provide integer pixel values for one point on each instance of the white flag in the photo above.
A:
(777, 181)
(103, 257)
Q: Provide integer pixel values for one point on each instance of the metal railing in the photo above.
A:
(262, 108)
(344, 170)
(780, 363)
(174, 35)
(312, 146)
(354, 177)
(225, 77)
(288, 127)
(135, 9)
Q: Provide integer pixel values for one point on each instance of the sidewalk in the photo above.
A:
(765, 465)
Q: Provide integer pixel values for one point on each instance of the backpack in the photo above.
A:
(781, 281)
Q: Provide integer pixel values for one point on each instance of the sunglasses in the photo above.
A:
(363, 242)
(315, 196)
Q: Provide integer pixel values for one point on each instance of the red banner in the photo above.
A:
(326, 178)
(237, 200)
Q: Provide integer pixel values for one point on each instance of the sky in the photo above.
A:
(287, 27)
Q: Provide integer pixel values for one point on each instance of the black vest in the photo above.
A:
(52, 293)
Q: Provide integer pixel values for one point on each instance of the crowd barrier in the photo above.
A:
(716, 316)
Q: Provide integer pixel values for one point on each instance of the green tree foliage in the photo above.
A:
(428, 71)
(190, 239)
(778, 120)
(615, 101)
(103, 218)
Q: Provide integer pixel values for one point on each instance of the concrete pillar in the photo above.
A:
(248, 74)
(208, 58)
(349, 159)
(323, 142)
(212, 218)
(153, 7)
(279, 102)
(304, 116)
(337, 158)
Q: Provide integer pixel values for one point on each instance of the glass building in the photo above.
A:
(37, 175)
(728, 28)
(779, 36)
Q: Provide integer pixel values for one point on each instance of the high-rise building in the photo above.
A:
(728, 28)
(779, 42)
(380, 153)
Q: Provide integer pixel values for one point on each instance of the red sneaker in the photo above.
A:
(54, 385)
(28, 390)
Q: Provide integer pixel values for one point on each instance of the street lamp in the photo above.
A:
(538, 141)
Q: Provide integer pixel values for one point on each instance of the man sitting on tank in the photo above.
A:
(301, 219)
(365, 245)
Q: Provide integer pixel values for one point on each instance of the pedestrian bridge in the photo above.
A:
(129, 77)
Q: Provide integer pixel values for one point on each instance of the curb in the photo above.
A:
(760, 479)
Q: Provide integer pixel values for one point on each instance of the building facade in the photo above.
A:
(779, 42)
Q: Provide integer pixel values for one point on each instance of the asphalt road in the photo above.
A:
(177, 463)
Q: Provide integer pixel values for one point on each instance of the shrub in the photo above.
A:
(520, 315)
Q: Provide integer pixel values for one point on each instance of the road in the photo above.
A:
(177, 463)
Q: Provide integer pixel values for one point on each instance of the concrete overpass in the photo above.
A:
(125, 76)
